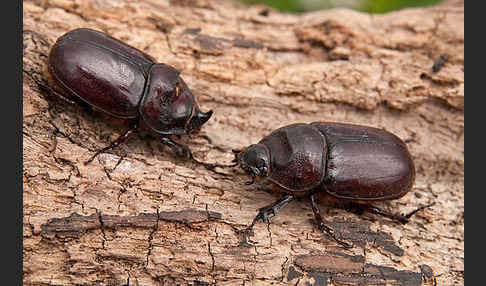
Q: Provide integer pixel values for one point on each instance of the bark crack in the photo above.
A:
(212, 257)
(102, 228)
(150, 238)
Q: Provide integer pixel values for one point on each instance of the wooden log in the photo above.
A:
(138, 215)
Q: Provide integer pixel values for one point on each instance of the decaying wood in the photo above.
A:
(140, 216)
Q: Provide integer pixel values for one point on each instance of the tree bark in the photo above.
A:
(138, 215)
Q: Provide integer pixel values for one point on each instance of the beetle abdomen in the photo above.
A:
(365, 163)
(108, 42)
(297, 156)
(102, 71)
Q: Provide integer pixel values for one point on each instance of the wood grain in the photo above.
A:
(138, 215)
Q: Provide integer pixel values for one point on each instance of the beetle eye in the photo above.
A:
(255, 171)
(261, 164)
(263, 171)
(262, 167)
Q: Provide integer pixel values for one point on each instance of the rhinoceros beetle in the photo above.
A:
(93, 68)
(347, 165)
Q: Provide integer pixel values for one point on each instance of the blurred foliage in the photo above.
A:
(370, 6)
(281, 5)
(382, 6)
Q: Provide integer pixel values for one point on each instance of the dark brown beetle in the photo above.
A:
(125, 83)
(348, 165)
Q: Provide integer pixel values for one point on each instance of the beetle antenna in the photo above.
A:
(236, 152)
(251, 182)
(213, 166)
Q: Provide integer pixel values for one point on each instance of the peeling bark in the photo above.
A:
(138, 215)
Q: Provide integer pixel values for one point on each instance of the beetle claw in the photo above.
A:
(402, 219)
(264, 214)
(183, 152)
(330, 232)
(265, 217)
(187, 154)
(244, 241)
(405, 218)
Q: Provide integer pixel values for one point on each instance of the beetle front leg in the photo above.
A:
(210, 141)
(265, 212)
(273, 209)
(322, 226)
(183, 151)
(178, 149)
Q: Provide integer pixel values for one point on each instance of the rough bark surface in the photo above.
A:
(138, 215)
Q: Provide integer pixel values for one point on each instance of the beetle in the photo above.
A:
(347, 165)
(93, 68)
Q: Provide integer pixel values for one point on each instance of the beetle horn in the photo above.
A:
(198, 120)
(204, 117)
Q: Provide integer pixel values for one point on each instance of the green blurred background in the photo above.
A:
(370, 6)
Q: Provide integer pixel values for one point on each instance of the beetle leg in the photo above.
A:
(46, 88)
(273, 209)
(118, 141)
(183, 151)
(322, 226)
(178, 149)
(407, 216)
(265, 212)
(397, 217)
(205, 137)
(208, 139)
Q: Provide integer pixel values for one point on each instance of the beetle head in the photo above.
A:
(168, 106)
(255, 160)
